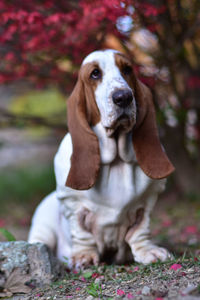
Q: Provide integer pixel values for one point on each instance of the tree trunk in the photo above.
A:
(187, 173)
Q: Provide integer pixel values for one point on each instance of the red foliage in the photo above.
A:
(36, 34)
(193, 82)
(150, 10)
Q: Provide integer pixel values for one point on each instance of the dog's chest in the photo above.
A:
(119, 184)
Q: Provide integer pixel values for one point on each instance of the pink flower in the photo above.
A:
(120, 292)
(2, 223)
(166, 223)
(83, 279)
(78, 289)
(129, 296)
(95, 275)
(136, 268)
(191, 229)
(175, 267)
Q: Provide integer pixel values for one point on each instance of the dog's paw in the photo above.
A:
(150, 254)
(84, 259)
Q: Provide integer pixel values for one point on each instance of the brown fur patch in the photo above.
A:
(85, 160)
(122, 62)
(149, 153)
(86, 219)
(139, 216)
(90, 85)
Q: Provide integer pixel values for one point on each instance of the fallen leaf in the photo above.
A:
(16, 282)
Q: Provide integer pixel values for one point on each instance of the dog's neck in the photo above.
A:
(118, 146)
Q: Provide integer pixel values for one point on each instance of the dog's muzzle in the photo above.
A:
(122, 98)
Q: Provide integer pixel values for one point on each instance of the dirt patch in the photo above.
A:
(179, 279)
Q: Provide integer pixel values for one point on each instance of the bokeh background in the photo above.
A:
(42, 44)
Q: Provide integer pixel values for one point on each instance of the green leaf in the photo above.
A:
(93, 289)
(7, 235)
(87, 275)
(93, 293)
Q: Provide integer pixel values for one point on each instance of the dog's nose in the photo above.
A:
(122, 98)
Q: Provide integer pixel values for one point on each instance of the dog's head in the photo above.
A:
(111, 72)
(107, 91)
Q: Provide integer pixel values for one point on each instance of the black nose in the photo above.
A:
(122, 98)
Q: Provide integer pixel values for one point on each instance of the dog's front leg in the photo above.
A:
(84, 251)
(138, 238)
(75, 243)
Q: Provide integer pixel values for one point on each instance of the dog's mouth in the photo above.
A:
(121, 124)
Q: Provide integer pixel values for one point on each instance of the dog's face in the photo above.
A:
(110, 74)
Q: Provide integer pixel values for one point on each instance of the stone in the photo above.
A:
(24, 266)
(146, 290)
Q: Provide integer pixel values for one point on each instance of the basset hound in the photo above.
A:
(109, 170)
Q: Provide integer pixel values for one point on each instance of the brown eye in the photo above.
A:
(127, 70)
(96, 74)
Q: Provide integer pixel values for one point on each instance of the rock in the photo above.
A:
(190, 289)
(24, 266)
(89, 298)
(146, 290)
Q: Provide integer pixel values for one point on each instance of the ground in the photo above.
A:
(179, 279)
(175, 225)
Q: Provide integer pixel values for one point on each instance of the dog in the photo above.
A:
(109, 170)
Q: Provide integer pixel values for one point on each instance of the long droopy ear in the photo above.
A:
(85, 160)
(149, 152)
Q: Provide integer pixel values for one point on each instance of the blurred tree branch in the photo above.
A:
(8, 119)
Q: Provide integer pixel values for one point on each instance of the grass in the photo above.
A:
(95, 290)
(7, 234)
(24, 187)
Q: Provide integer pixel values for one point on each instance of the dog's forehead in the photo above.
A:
(103, 57)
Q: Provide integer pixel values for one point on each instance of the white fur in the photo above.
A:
(111, 204)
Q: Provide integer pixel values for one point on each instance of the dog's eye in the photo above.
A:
(96, 74)
(127, 70)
